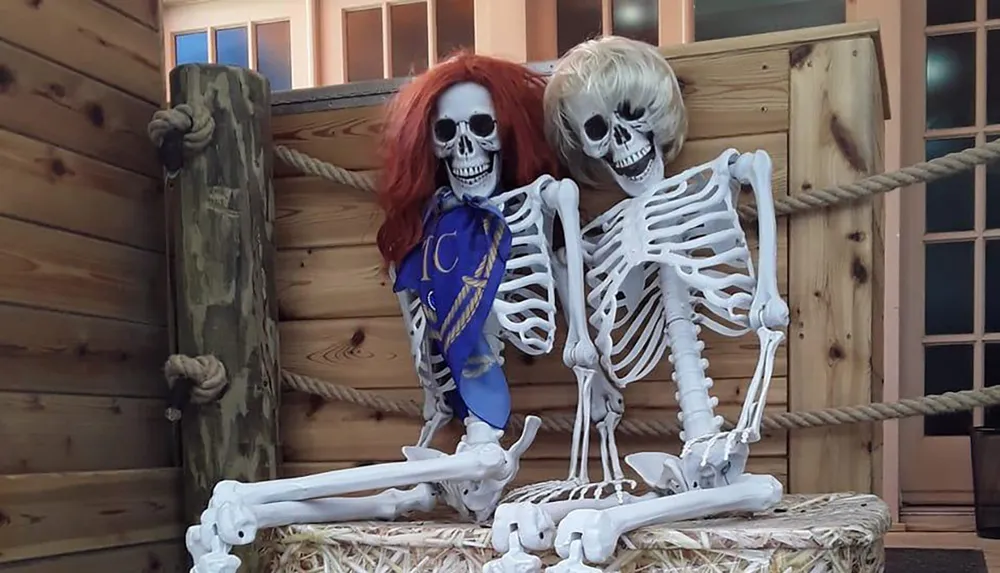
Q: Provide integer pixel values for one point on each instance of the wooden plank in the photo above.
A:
(91, 38)
(835, 137)
(314, 212)
(60, 513)
(163, 557)
(535, 471)
(62, 433)
(145, 11)
(76, 354)
(225, 288)
(55, 104)
(375, 353)
(313, 430)
(67, 190)
(59, 270)
(737, 94)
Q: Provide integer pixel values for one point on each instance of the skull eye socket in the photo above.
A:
(482, 125)
(595, 128)
(445, 129)
(629, 113)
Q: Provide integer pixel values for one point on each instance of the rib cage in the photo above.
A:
(689, 222)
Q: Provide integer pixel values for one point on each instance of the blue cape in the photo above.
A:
(456, 270)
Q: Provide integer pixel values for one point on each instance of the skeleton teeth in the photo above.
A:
(632, 158)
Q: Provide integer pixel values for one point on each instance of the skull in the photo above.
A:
(467, 139)
(620, 135)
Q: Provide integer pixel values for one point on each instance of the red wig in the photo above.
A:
(411, 174)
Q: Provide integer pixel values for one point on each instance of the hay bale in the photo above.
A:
(835, 533)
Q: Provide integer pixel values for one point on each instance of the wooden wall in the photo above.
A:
(340, 320)
(89, 482)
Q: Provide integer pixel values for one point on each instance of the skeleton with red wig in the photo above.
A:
(471, 239)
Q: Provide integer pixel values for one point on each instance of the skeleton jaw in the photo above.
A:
(635, 167)
(476, 177)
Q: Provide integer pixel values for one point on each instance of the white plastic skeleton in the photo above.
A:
(665, 262)
(467, 142)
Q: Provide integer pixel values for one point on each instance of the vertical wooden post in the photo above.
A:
(224, 274)
(835, 289)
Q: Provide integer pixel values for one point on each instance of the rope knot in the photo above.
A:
(182, 130)
(206, 373)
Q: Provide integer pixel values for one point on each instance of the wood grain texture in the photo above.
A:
(58, 270)
(162, 557)
(145, 11)
(90, 37)
(734, 94)
(835, 125)
(535, 471)
(59, 188)
(317, 431)
(63, 433)
(375, 353)
(315, 212)
(75, 354)
(60, 513)
(225, 287)
(71, 110)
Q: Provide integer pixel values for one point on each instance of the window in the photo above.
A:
(581, 20)
(231, 46)
(715, 19)
(411, 27)
(191, 48)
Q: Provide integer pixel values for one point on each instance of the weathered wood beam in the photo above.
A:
(225, 289)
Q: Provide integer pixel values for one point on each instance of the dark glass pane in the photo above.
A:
(948, 296)
(231, 47)
(951, 201)
(408, 26)
(993, 9)
(191, 48)
(948, 368)
(991, 377)
(636, 19)
(993, 286)
(576, 21)
(993, 193)
(363, 44)
(274, 54)
(993, 76)
(728, 18)
(951, 81)
(950, 11)
(456, 26)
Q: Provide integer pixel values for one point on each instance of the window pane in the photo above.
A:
(950, 11)
(993, 76)
(728, 18)
(231, 47)
(948, 300)
(576, 21)
(363, 44)
(950, 203)
(636, 19)
(991, 373)
(993, 193)
(993, 9)
(274, 54)
(993, 286)
(456, 27)
(191, 48)
(951, 80)
(948, 369)
(408, 23)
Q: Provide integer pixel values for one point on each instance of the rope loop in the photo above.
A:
(207, 374)
(183, 130)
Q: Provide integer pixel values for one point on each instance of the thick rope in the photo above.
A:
(195, 122)
(204, 372)
(802, 201)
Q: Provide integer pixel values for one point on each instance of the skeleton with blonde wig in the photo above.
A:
(470, 204)
(665, 262)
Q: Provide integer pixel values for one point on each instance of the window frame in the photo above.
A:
(919, 452)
